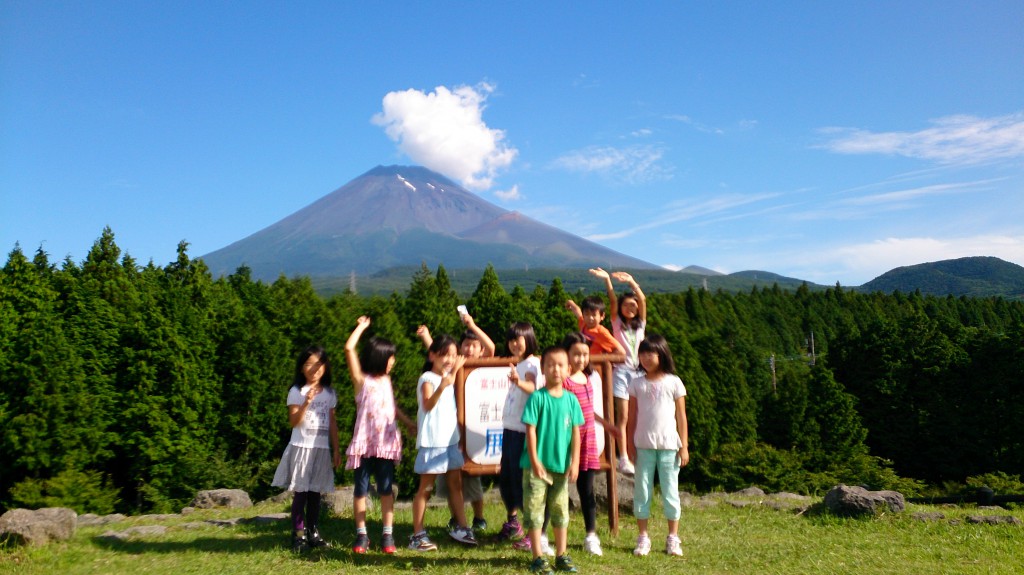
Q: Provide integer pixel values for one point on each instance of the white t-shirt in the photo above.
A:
(515, 401)
(630, 340)
(656, 411)
(314, 429)
(438, 427)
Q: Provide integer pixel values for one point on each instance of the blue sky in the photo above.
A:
(829, 141)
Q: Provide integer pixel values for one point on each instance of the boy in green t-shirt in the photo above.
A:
(551, 459)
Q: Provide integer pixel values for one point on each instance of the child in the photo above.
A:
(581, 382)
(306, 467)
(474, 344)
(590, 315)
(628, 329)
(525, 378)
(552, 459)
(376, 445)
(438, 441)
(661, 439)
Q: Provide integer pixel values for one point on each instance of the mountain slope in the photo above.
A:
(406, 215)
(973, 276)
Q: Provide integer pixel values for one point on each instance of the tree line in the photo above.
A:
(129, 387)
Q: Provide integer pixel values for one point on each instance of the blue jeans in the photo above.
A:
(667, 463)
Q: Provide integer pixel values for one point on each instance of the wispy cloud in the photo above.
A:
(919, 192)
(700, 127)
(864, 261)
(680, 211)
(629, 165)
(960, 139)
(509, 195)
(444, 131)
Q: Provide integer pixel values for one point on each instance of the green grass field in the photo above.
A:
(721, 538)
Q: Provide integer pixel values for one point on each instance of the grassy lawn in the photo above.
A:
(721, 538)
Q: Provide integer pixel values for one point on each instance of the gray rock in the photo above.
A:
(91, 519)
(37, 527)
(993, 519)
(750, 492)
(268, 518)
(846, 500)
(225, 522)
(785, 496)
(739, 504)
(133, 532)
(928, 516)
(230, 498)
(156, 517)
(187, 510)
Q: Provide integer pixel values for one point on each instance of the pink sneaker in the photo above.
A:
(523, 544)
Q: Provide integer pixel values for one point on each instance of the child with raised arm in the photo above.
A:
(376, 444)
(306, 467)
(628, 327)
(474, 344)
(661, 439)
(438, 441)
(524, 378)
(552, 459)
(589, 315)
(582, 382)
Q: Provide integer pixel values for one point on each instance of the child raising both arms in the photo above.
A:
(661, 439)
(376, 444)
(628, 326)
(552, 459)
(438, 441)
(307, 466)
(581, 382)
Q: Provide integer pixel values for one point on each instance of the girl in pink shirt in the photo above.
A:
(376, 445)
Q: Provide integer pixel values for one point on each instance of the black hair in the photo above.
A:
(592, 303)
(471, 336)
(300, 376)
(550, 350)
(657, 343)
(634, 322)
(524, 329)
(439, 345)
(376, 354)
(575, 338)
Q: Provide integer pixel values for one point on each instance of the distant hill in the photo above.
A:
(763, 276)
(974, 276)
(396, 216)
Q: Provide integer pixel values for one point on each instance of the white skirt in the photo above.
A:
(305, 469)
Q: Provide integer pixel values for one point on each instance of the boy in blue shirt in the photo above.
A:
(551, 459)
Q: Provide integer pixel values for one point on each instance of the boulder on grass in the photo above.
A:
(37, 527)
(853, 501)
(231, 498)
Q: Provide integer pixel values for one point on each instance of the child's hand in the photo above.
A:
(422, 331)
(467, 319)
(363, 321)
(336, 459)
(460, 360)
(684, 456)
(513, 375)
(312, 393)
(540, 473)
(623, 277)
(599, 273)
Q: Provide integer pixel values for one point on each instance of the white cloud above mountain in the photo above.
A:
(444, 131)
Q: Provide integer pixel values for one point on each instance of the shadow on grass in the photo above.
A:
(249, 538)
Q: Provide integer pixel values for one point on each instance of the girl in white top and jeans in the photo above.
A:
(661, 439)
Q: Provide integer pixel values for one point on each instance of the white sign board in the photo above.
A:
(485, 391)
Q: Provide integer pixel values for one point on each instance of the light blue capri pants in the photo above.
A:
(667, 463)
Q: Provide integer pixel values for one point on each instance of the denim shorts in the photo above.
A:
(438, 460)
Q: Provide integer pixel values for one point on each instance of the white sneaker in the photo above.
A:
(463, 535)
(643, 545)
(673, 546)
(592, 545)
(545, 547)
(626, 466)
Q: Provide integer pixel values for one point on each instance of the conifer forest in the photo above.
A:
(128, 387)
